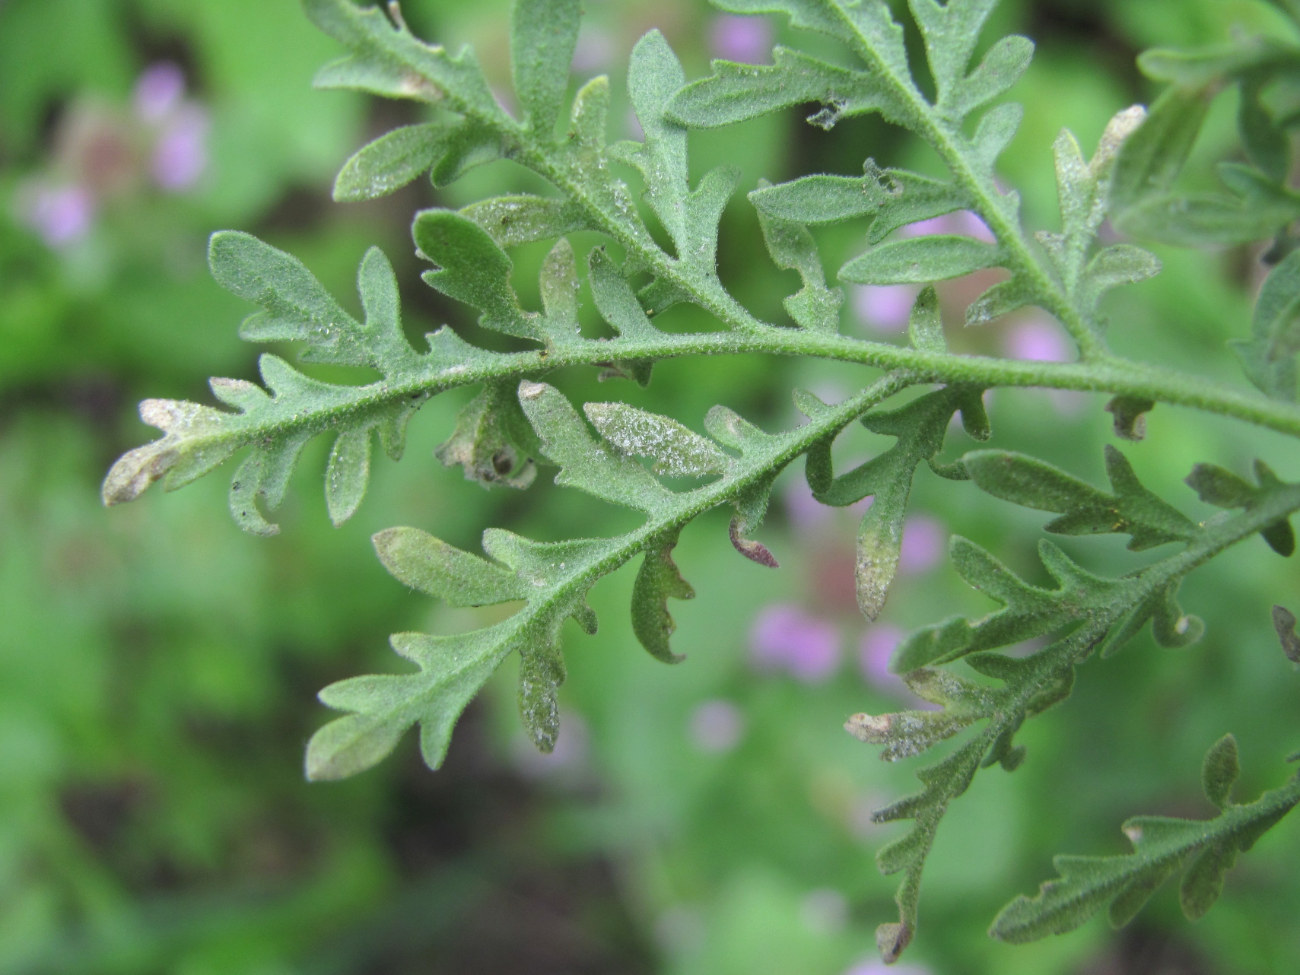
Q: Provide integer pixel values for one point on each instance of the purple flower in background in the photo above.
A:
(962, 223)
(744, 39)
(924, 540)
(158, 91)
(884, 307)
(717, 726)
(181, 154)
(1041, 340)
(62, 215)
(1037, 340)
(875, 966)
(785, 638)
(874, 653)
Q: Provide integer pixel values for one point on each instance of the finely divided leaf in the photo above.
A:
(891, 198)
(792, 247)
(514, 220)
(950, 32)
(492, 441)
(390, 162)
(1269, 356)
(921, 260)
(920, 428)
(1161, 846)
(387, 59)
(543, 36)
(675, 450)
(657, 581)
(1084, 510)
(1028, 611)
(736, 92)
(585, 462)
(278, 420)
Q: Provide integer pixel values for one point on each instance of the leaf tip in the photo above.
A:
(749, 548)
(892, 939)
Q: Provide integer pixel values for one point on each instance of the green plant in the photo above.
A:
(660, 250)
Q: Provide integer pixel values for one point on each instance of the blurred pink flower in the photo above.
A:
(884, 307)
(181, 153)
(61, 215)
(874, 966)
(874, 653)
(744, 39)
(158, 91)
(962, 223)
(1037, 340)
(786, 639)
(1041, 340)
(924, 541)
(717, 726)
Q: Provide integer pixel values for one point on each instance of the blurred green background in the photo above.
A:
(158, 668)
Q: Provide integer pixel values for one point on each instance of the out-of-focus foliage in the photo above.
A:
(157, 668)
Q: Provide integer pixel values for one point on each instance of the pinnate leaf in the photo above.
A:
(890, 198)
(1161, 846)
(278, 420)
(543, 36)
(921, 260)
(1084, 510)
(1269, 356)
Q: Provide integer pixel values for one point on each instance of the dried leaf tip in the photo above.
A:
(871, 728)
(750, 549)
(1284, 623)
(1119, 128)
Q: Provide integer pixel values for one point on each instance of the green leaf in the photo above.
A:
(1131, 509)
(657, 581)
(1220, 771)
(1267, 144)
(1152, 157)
(1083, 188)
(435, 568)
(1207, 218)
(615, 299)
(1222, 488)
(920, 428)
(675, 450)
(921, 260)
(1028, 611)
(737, 92)
(492, 441)
(585, 462)
(387, 59)
(390, 162)
(543, 36)
(278, 421)
(1161, 845)
(452, 671)
(472, 269)
(925, 325)
(950, 32)
(514, 220)
(891, 198)
(815, 306)
(808, 14)
(1269, 357)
